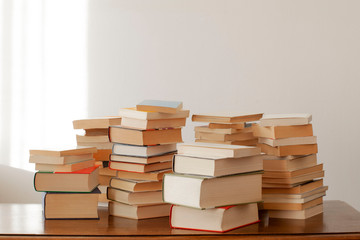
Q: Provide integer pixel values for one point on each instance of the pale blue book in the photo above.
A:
(159, 106)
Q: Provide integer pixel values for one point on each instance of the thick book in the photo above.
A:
(227, 117)
(288, 141)
(150, 176)
(293, 174)
(104, 180)
(300, 189)
(104, 122)
(134, 198)
(296, 214)
(72, 167)
(142, 160)
(43, 159)
(135, 185)
(289, 164)
(149, 115)
(138, 212)
(160, 106)
(209, 192)
(106, 171)
(276, 132)
(216, 167)
(292, 206)
(220, 219)
(92, 139)
(304, 149)
(143, 124)
(63, 151)
(102, 154)
(144, 137)
(239, 136)
(216, 150)
(84, 180)
(227, 125)
(139, 167)
(250, 142)
(143, 151)
(71, 205)
(285, 119)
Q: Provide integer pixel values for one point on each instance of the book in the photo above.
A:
(62, 152)
(106, 171)
(299, 189)
(293, 174)
(220, 219)
(276, 132)
(138, 212)
(92, 139)
(71, 205)
(209, 192)
(292, 206)
(305, 149)
(143, 160)
(71, 167)
(293, 164)
(212, 150)
(105, 180)
(148, 115)
(143, 124)
(309, 196)
(143, 151)
(140, 168)
(104, 122)
(294, 180)
(159, 106)
(250, 142)
(134, 198)
(150, 176)
(288, 141)
(206, 129)
(227, 125)
(285, 119)
(144, 137)
(102, 154)
(296, 214)
(294, 196)
(97, 145)
(97, 132)
(135, 185)
(43, 159)
(227, 117)
(216, 167)
(225, 137)
(84, 180)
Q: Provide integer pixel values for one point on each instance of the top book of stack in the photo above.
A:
(227, 117)
(160, 106)
(285, 119)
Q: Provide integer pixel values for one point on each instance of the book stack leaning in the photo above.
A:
(69, 180)
(292, 181)
(233, 129)
(214, 187)
(144, 145)
(96, 131)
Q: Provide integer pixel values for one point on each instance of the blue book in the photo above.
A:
(159, 106)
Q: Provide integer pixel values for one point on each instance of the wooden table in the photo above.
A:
(22, 221)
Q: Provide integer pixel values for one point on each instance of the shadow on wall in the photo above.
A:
(16, 186)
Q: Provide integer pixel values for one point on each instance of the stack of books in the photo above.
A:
(292, 181)
(233, 129)
(144, 145)
(69, 179)
(214, 187)
(96, 132)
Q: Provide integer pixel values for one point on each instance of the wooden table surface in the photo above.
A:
(339, 221)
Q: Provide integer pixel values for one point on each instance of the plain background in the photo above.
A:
(232, 55)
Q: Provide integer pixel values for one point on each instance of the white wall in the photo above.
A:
(271, 56)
